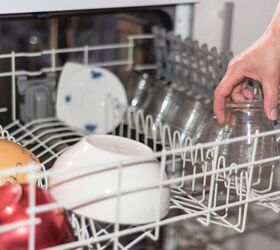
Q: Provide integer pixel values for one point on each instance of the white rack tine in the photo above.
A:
(258, 179)
(129, 121)
(159, 197)
(176, 139)
(3, 109)
(251, 168)
(69, 50)
(148, 128)
(85, 234)
(212, 181)
(32, 204)
(43, 181)
(31, 132)
(50, 148)
(118, 200)
(13, 75)
(141, 36)
(270, 183)
(52, 131)
(15, 225)
(12, 124)
(130, 54)
(53, 60)
(47, 140)
(52, 157)
(138, 239)
(95, 232)
(30, 124)
(86, 50)
(167, 134)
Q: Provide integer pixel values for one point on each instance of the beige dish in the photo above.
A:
(12, 155)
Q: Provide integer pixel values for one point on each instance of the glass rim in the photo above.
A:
(245, 104)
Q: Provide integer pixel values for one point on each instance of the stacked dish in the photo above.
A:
(90, 99)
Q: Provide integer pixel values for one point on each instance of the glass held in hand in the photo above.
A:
(246, 119)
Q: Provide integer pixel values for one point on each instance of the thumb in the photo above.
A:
(270, 91)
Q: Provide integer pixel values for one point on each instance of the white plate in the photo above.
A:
(91, 99)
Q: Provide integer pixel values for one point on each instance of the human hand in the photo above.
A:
(260, 62)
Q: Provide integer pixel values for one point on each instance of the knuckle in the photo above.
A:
(233, 65)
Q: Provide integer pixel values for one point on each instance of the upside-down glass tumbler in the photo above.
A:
(246, 119)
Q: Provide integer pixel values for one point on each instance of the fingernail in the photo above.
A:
(274, 114)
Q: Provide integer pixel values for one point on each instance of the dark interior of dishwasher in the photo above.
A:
(38, 32)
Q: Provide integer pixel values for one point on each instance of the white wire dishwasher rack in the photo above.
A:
(190, 167)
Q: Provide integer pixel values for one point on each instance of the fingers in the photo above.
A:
(270, 91)
(241, 92)
(224, 89)
(247, 93)
(237, 94)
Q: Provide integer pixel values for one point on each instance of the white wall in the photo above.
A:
(250, 18)
(208, 22)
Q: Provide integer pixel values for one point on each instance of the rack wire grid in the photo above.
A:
(203, 186)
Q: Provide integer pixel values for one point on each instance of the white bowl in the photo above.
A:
(136, 207)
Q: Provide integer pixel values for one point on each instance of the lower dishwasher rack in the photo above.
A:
(189, 168)
(211, 206)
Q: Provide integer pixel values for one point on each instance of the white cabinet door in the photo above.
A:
(249, 20)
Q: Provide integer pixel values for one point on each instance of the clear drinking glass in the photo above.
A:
(245, 119)
(208, 130)
(190, 114)
(137, 86)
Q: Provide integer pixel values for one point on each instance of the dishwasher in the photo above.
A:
(217, 194)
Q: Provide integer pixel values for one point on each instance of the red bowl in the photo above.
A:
(53, 230)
